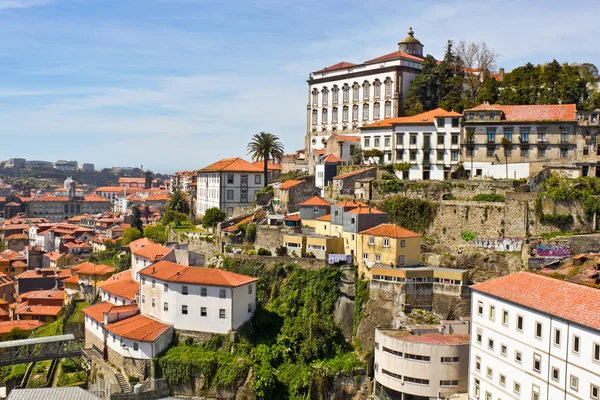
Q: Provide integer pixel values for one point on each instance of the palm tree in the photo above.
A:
(179, 201)
(507, 144)
(265, 146)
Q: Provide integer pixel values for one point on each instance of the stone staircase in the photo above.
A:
(125, 387)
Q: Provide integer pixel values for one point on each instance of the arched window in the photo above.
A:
(335, 91)
(346, 93)
(376, 111)
(325, 93)
(324, 116)
(334, 115)
(355, 92)
(388, 109)
(377, 89)
(388, 87)
(366, 91)
(315, 116)
(355, 113)
(365, 112)
(345, 114)
(315, 97)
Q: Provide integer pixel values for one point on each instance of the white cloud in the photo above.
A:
(6, 4)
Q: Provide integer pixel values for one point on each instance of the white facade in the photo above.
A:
(432, 150)
(521, 353)
(113, 298)
(44, 239)
(497, 170)
(226, 190)
(205, 308)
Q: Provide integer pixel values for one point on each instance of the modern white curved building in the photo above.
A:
(422, 362)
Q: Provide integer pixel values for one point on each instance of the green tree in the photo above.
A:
(372, 154)
(490, 90)
(213, 216)
(179, 201)
(136, 219)
(129, 235)
(156, 232)
(174, 216)
(263, 147)
(16, 334)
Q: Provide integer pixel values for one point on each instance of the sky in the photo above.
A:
(178, 84)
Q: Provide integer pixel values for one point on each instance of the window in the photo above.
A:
(488, 396)
(555, 373)
(388, 109)
(524, 151)
(596, 353)
(491, 344)
(480, 308)
(257, 179)
(575, 344)
(153, 302)
(517, 387)
(492, 313)
(557, 337)
(388, 88)
(335, 94)
(365, 112)
(586, 151)
(222, 294)
(143, 299)
(449, 359)
(441, 122)
(574, 383)
(324, 116)
(477, 363)
(249, 289)
(535, 393)
(391, 374)
(229, 194)
(203, 311)
(479, 336)
(221, 313)
(503, 349)
(476, 388)
(564, 136)
(184, 290)
(203, 291)
(502, 380)
(354, 113)
(377, 257)
(184, 310)
(386, 242)
(166, 287)
(491, 135)
(518, 357)
(377, 89)
(490, 151)
(403, 243)
(376, 111)
(325, 96)
(315, 97)
(537, 362)
(538, 330)
(519, 323)
(454, 155)
(371, 240)
(489, 372)
(346, 93)
(153, 283)
(440, 155)
(541, 152)
(367, 142)
(165, 306)
(334, 115)
(413, 155)
(594, 391)
(230, 177)
(355, 92)
(366, 90)
(508, 133)
(365, 256)
(386, 141)
(135, 346)
(524, 136)
(345, 114)
(244, 195)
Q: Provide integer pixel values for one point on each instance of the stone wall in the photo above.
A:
(305, 263)
(197, 337)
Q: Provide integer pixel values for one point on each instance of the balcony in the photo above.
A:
(542, 140)
(426, 146)
(523, 139)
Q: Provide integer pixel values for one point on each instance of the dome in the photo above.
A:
(410, 38)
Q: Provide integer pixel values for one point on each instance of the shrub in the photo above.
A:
(281, 251)
(468, 236)
(213, 216)
(386, 176)
(412, 214)
(491, 197)
(134, 379)
(263, 252)
(448, 196)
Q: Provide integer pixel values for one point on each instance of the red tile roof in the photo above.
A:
(43, 294)
(315, 201)
(351, 204)
(390, 230)
(345, 138)
(232, 165)
(26, 309)
(427, 118)
(288, 184)
(349, 174)
(149, 249)
(365, 210)
(332, 158)
(325, 218)
(125, 288)
(171, 272)
(26, 325)
(234, 227)
(293, 217)
(96, 311)
(566, 300)
(437, 338)
(110, 189)
(139, 327)
(394, 55)
(74, 280)
(531, 113)
(132, 180)
(340, 65)
(270, 166)
(93, 269)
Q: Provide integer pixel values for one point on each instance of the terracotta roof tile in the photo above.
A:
(232, 165)
(270, 166)
(125, 179)
(340, 65)
(93, 269)
(292, 217)
(26, 325)
(325, 218)
(288, 184)
(26, 309)
(427, 117)
(394, 55)
(348, 138)
(315, 201)
(437, 338)
(234, 227)
(349, 174)
(73, 280)
(331, 158)
(125, 288)
(149, 249)
(139, 327)
(351, 204)
(43, 294)
(171, 272)
(365, 210)
(110, 189)
(390, 230)
(96, 311)
(566, 300)
(550, 112)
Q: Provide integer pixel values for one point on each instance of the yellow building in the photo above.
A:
(321, 246)
(296, 244)
(388, 245)
(323, 225)
(92, 275)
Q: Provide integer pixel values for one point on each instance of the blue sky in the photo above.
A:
(178, 84)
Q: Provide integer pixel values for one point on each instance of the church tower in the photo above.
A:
(410, 45)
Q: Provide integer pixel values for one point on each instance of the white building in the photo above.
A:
(115, 194)
(145, 252)
(229, 183)
(429, 142)
(346, 96)
(534, 337)
(195, 298)
(42, 236)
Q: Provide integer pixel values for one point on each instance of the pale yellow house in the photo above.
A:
(387, 245)
(321, 246)
(295, 244)
(323, 225)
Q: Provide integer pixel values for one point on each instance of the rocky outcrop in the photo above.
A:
(344, 315)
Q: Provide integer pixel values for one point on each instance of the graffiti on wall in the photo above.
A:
(546, 250)
(499, 244)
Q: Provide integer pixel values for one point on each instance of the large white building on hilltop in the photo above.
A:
(346, 96)
(534, 337)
